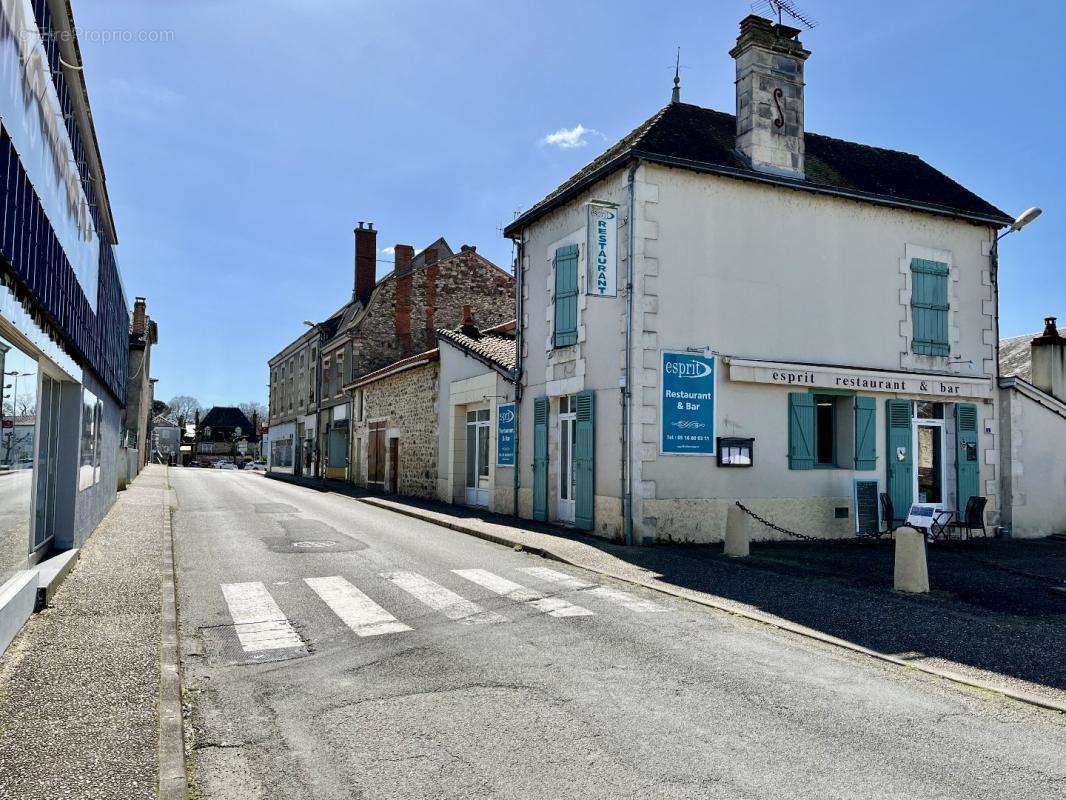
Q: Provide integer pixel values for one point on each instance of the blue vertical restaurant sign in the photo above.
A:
(687, 404)
(505, 432)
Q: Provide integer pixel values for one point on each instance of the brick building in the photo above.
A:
(384, 322)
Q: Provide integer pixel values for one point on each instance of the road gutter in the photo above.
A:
(173, 781)
(707, 601)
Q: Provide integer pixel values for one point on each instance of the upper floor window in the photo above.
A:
(929, 307)
(565, 300)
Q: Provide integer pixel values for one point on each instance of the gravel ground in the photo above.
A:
(78, 686)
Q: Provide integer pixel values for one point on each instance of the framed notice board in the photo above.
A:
(867, 509)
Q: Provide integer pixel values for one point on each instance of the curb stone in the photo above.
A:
(706, 600)
(173, 782)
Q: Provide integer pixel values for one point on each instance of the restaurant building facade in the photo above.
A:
(724, 308)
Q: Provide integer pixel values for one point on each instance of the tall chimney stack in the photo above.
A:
(366, 254)
(404, 253)
(1048, 353)
(139, 324)
(769, 81)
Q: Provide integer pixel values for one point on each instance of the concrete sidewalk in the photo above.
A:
(913, 630)
(79, 685)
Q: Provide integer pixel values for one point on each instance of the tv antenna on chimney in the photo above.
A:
(779, 7)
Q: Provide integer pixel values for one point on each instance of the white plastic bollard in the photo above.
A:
(736, 533)
(912, 571)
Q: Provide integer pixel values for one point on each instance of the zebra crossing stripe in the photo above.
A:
(354, 608)
(624, 599)
(554, 606)
(440, 599)
(257, 619)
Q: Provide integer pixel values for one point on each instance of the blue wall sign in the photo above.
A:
(505, 435)
(687, 404)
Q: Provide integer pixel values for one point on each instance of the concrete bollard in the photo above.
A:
(912, 571)
(736, 533)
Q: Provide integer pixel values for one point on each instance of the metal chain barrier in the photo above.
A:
(774, 526)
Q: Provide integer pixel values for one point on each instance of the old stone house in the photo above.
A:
(385, 321)
(394, 426)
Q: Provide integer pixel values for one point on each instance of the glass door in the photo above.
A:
(567, 443)
(47, 461)
(478, 492)
(929, 462)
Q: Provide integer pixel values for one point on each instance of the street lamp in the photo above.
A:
(1022, 220)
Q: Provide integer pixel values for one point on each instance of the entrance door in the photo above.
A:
(394, 465)
(567, 444)
(930, 483)
(477, 458)
(47, 461)
(298, 456)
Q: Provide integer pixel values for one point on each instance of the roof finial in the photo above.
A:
(675, 96)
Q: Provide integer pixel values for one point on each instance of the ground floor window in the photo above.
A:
(824, 431)
(375, 453)
(281, 452)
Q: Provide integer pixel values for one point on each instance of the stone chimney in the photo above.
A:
(139, 324)
(366, 254)
(770, 60)
(403, 253)
(1048, 352)
(468, 327)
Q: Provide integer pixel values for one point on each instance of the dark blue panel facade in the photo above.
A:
(32, 254)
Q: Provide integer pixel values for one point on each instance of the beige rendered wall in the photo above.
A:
(466, 384)
(759, 272)
(1034, 463)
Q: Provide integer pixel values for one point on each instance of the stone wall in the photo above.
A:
(406, 310)
(407, 402)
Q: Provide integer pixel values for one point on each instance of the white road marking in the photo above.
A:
(259, 622)
(625, 599)
(555, 606)
(355, 609)
(438, 598)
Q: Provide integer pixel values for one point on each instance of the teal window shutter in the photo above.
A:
(865, 433)
(899, 441)
(566, 295)
(800, 430)
(540, 458)
(967, 465)
(929, 307)
(584, 496)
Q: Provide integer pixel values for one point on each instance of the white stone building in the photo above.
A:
(766, 315)
(1032, 396)
(476, 432)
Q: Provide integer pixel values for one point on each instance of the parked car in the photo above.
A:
(256, 466)
(225, 465)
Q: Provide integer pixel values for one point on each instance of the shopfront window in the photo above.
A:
(825, 431)
(89, 464)
(18, 417)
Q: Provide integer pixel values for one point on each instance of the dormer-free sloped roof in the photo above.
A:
(1016, 355)
(495, 346)
(704, 140)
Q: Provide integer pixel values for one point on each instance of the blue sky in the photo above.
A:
(241, 150)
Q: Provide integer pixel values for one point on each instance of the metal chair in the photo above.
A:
(888, 514)
(972, 519)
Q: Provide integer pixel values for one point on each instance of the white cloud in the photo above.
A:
(570, 138)
(388, 251)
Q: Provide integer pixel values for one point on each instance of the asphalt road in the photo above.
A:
(336, 650)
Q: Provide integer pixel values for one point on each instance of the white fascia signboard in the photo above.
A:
(602, 250)
(860, 380)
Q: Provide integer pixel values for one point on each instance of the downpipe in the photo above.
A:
(627, 394)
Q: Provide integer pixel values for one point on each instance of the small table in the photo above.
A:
(930, 518)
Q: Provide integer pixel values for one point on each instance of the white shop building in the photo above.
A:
(724, 308)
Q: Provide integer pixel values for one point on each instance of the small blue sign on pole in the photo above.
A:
(687, 404)
(505, 435)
